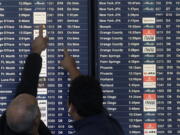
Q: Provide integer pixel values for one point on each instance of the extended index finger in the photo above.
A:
(66, 52)
(41, 30)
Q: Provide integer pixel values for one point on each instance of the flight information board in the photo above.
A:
(136, 46)
(66, 24)
(138, 63)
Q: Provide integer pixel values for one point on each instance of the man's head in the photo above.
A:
(85, 97)
(23, 114)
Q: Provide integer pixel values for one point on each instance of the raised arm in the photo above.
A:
(32, 67)
(69, 64)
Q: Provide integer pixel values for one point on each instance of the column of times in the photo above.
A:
(66, 24)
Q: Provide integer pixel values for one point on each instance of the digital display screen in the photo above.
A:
(66, 24)
(138, 63)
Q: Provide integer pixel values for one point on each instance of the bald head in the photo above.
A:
(22, 113)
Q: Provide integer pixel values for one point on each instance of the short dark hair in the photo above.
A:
(85, 93)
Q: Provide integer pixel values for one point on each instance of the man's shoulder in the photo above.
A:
(115, 126)
(91, 130)
(102, 125)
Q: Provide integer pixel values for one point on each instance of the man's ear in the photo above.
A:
(38, 118)
(73, 112)
(71, 108)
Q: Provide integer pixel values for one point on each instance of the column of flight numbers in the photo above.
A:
(161, 67)
(56, 27)
(51, 67)
(164, 60)
(40, 18)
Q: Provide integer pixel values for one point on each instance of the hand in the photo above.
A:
(40, 43)
(69, 64)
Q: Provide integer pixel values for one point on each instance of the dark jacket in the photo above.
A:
(28, 84)
(101, 124)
